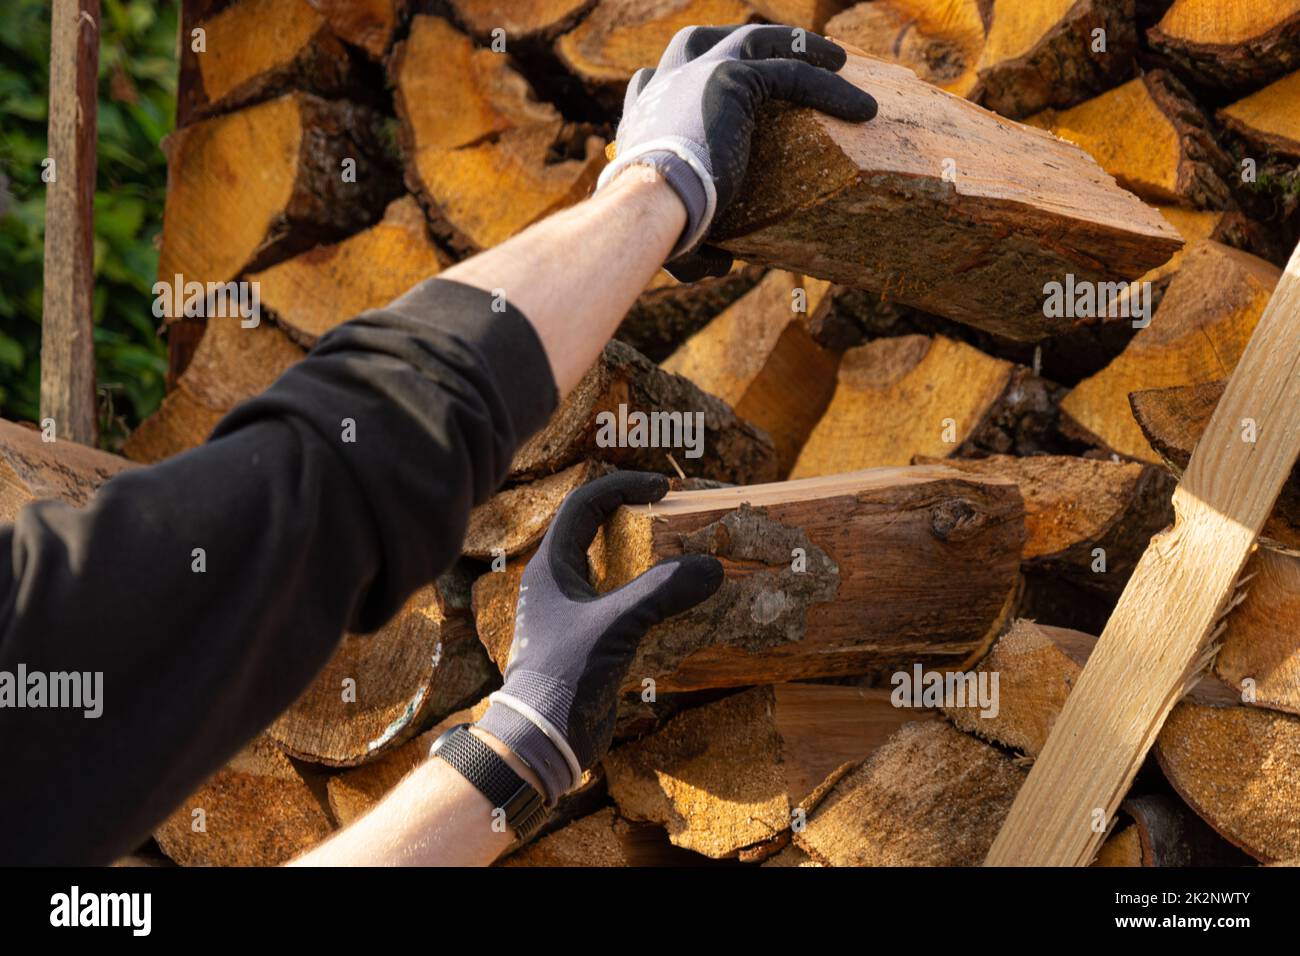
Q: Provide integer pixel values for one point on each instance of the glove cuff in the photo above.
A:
(674, 160)
(535, 741)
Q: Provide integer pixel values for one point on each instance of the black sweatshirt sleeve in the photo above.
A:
(303, 536)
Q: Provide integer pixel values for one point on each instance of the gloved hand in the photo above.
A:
(691, 118)
(572, 648)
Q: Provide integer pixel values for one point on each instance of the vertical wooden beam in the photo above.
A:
(67, 327)
(1162, 632)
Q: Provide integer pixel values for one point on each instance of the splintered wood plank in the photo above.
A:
(1260, 653)
(1075, 506)
(326, 286)
(231, 364)
(258, 810)
(1243, 43)
(598, 419)
(1041, 52)
(485, 155)
(941, 40)
(729, 776)
(1173, 420)
(619, 37)
(251, 187)
(378, 690)
(1196, 335)
(931, 796)
(873, 205)
(1152, 137)
(896, 398)
(1269, 118)
(1155, 642)
(760, 358)
(520, 19)
(32, 469)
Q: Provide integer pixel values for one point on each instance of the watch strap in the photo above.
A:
(524, 807)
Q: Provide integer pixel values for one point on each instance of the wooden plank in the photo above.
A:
(67, 321)
(1156, 641)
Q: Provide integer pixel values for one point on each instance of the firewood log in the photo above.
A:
(628, 412)
(931, 796)
(1076, 507)
(1197, 335)
(258, 810)
(323, 287)
(809, 14)
(1173, 419)
(478, 145)
(916, 395)
(1260, 651)
(1046, 52)
(759, 356)
(231, 364)
(379, 690)
(941, 40)
(253, 187)
(1152, 137)
(935, 203)
(368, 24)
(32, 469)
(520, 19)
(669, 312)
(1268, 119)
(602, 838)
(256, 49)
(736, 774)
(1239, 44)
(1165, 832)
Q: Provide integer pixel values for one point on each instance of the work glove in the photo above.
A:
(572, 648)
(691, 118)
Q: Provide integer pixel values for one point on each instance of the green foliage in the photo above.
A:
(137, 96)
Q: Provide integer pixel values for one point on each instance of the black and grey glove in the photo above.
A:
(691, 117)
(572, 648)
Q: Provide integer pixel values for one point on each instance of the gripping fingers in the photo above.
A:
(787, 43)
(805, 85)
(586, 509)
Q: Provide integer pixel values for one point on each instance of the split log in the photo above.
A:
(813, 15)
(326, 286)
(732, 777)
(1239, 44)
(32, 469)
(940, 41)
(1195, 225)
(1122, 848)
(627, 412)
(522, 20)
(873, 206)
(759, 357)
(379, 690)
(931, 796)
(368, 24)
(256, 49)
(619, 37)
(898, 565)
(1260, 646)
(1152, 137)
(668, 312)
(1268, 119)
(1238, 767)
(1087, 520)
(916, 395)
(1042, 53)
(256, 186)
(482, 152)
(602, 839)
(258, 810)
(1173, 420)
(232, 363)
(1197, 335)
(514, 520)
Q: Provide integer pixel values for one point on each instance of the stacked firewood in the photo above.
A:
(927, 483)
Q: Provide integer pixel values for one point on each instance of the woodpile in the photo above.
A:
(927, 486)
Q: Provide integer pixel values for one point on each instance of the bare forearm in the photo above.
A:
(576, 274)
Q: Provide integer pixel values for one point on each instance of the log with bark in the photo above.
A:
(368, 24)
(1239, 44)
(937, 203)
(521, 20)
(669, 312)
(731, 778)
(32, 469)
(1268, 119)
(916, 395)
(1197, 335)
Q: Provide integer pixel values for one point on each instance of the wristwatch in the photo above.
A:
(524, 807)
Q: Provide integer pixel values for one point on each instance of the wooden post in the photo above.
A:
(1163, 630)
(67, 328)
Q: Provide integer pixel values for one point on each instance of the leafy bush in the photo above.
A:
(137, 94)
